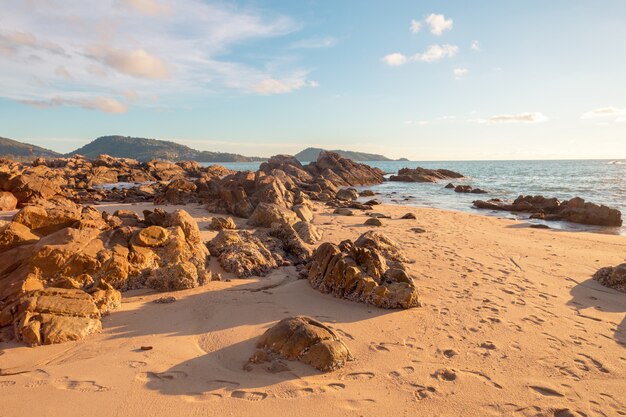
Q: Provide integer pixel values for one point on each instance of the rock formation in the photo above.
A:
(612, 277)
(369, 270)
(424, 175)
(304, 339)
(575, 210)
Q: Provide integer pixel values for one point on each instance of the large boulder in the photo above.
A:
(7, 201)
(242, 253)
(341, 171)
(304, 339)
(370, 270)
(424, 175)
(265, 215)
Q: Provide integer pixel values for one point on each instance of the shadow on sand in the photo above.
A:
(591, 294)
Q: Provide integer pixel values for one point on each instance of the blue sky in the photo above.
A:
(426, 80)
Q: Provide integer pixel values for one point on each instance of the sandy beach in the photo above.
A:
(511, 325)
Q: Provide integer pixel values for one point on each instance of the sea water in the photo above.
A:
(597, 181)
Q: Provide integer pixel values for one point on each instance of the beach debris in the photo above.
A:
(304, 339)
(370, 270)
(612, 277)
(575, 210)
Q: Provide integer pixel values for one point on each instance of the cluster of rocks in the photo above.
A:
(465, 189)
(369, 270)
(575, 210)
(300, 338)
(424, 175)
(612, 277)
(63, 265)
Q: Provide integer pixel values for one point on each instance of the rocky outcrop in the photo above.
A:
(344, 172)
(222, 223)
(469, 189)
(264, 215)
(424, 175)
(247, 253)
(575, 210)
(304, 339)
(612, 277)
(7, 201)
(369, 270)
(63, 266)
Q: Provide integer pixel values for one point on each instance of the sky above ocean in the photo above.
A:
(427, 80)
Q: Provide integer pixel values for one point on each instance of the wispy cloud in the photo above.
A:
(475, 46)
(103, 49)
(531, 117)
(436, 53)
(416, 26)
(272, 86)
(395, 59)
(459, 73)
(438, 24)
(311, 43)
(605, 114)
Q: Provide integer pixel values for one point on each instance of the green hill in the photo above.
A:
(311, 154)
(19, 151)
(147, 149)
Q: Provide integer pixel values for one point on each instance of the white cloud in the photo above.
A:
(605, 114)
(438, 24)
(395, 59)
(111, 46)
(416, 26)
(435, 53)
(532, 117)
(137, 63)
(475, 46)
(105, 104)
(272, 86)
(460, 73)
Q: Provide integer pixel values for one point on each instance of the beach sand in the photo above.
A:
(511, 325)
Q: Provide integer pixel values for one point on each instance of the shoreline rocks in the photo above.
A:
(612, 277)
(424, 175)
(575, 210)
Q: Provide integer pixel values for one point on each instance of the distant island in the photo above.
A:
(141, 149)
(311, 154)
(19, 151)
(144, 149)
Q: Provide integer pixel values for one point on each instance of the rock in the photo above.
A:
(222, 223)
(7, 201)
(449, 185)
(291, 242)
(305, 339)
(468, 189)
(409, 216)
(373, 221)
(303, 212)
(179, 191)
(15, 234)
(344, 172)
(165, 300)
(612, 277)
(575, 210)
(424, 175)
(242, 253)
(347, 194)
(373, 202)
(418, 230)
(342, 211)
(57, 315)
(369, 270)
(47, 220)
(152, 237)
(539, 226)
(367, 193)
(265, 214)
(308, 232)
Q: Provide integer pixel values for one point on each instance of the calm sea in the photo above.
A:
(598, 181)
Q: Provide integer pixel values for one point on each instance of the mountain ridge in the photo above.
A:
(21, 151)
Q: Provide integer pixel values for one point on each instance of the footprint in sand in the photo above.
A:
(360, 376)
(249, 395)
(4, 384)
(136, 364)
(161, 376)
(80, 386)
(445, 374)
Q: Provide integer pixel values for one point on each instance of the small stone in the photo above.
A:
(146, 348)
(373, 221)
(165, 300)
(409, 216)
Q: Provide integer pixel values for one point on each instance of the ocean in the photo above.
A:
(598, 181)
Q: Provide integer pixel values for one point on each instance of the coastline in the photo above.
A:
(510, 311)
